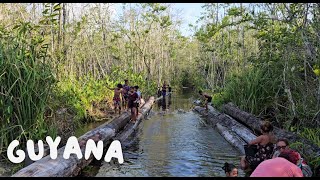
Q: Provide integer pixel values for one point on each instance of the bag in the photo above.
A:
(250, 150)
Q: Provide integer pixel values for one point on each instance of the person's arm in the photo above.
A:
(121, 94)
(275, 154)
(256, 141)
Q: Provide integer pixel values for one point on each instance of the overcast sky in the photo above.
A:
(190, 14)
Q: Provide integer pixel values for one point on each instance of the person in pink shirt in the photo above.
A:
(282, 166)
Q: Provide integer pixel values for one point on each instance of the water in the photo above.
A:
(174, 141)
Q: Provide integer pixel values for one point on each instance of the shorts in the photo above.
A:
(116, 101)
(131, 104)
(164, 93)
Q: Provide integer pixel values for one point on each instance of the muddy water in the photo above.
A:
(173, 141)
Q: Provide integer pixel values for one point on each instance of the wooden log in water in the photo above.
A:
(213, 117)
(231, 137)
(254, 123)
(60, 167)
(131, 127)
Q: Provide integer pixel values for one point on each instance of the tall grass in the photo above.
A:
(25, 85)
(253, 89)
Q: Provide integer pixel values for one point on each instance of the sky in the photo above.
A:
(190, 14)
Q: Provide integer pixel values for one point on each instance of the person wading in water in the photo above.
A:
(132, 104)
(164, 89)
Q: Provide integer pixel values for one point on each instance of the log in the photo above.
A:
(234, 132)
(231, 137)
(308, 149)
(131, 127)
(214, 117)
(60, 167)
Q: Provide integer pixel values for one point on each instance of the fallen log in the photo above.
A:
(60, 167)
(157, 99)
(234, 132)
(131, 127)
(308, 149)
(231, 137)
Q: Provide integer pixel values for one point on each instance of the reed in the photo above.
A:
(25, 85)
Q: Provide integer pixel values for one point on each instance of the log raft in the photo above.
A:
(60, 167)
(308, 149)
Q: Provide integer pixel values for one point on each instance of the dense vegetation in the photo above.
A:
(262, 57)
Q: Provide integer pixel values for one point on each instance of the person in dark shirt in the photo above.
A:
(164, 89)
(132, 103)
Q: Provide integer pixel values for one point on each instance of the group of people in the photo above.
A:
(162, 91)
(271, 158)
(128, 97)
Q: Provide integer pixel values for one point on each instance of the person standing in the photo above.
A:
(265, 146)
(125, 96)
(164, 89)
(133, 97)
(117, 98)
(139, 98)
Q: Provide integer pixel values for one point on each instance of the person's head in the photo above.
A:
(266, 127)
(119, 86)
(230, 170)
(290, 155)
(131, 89)
(282, 144)
(126, 81)
(136, 87)
(200, 92)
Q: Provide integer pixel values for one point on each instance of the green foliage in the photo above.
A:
(313, 134)
(26, 82)
(81, 94)
(118, 75)
(252, 90)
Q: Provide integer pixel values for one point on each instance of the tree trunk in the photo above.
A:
(234, 132)
(308, 149)
(72, 166)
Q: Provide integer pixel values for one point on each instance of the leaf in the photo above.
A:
(45, 11)
(57, 7)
